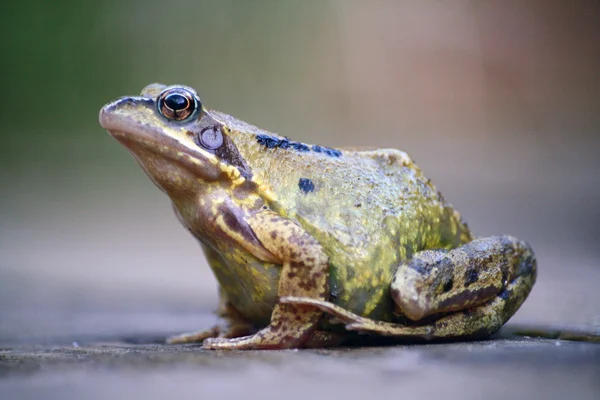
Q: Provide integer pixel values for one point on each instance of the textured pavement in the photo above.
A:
(136, 366)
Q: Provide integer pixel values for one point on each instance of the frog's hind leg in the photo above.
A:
(440, 281)
(474, 289)
(481, 321)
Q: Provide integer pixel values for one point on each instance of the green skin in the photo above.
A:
(293, 231)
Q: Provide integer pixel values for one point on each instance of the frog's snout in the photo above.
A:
(110, 114)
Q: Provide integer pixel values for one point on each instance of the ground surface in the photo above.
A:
(134, 365)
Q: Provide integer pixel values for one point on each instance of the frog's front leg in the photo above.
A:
(304, 273)
(468, 291)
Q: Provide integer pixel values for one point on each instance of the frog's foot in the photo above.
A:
(317, 340)
(226, 329)
(291, 326)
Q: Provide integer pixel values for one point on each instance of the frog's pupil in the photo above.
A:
(176, 102)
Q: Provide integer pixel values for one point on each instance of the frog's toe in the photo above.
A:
(215, 343)
(267, 339)
(221, 343)
(193, 337)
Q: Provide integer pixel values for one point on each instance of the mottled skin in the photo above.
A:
(293, 231)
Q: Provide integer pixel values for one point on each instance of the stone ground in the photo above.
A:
(127, 364)
(88, 343)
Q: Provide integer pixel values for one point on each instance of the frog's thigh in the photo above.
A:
(304, 273)
(488, 279)
(439, 281)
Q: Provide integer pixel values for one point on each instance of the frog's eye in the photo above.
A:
(178, 104)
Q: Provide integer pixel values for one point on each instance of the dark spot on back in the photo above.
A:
(471, 276)
(332, 152)
(284, 143)
(299, 146)
(272, 142)
(306, 185)
(269, 142)
(504, 294)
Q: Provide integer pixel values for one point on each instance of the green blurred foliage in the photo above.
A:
(55, 63)
(62, 60)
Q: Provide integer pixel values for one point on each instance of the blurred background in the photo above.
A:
(498, 102)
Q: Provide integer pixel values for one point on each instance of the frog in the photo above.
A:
(314, 246)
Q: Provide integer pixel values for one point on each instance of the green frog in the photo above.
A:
(313, 246)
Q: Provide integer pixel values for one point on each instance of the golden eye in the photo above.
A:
(178, 104)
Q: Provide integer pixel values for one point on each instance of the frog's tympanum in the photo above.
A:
(312, 245)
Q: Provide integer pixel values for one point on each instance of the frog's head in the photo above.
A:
(177, 141)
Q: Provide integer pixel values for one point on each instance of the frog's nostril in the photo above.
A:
(132, 100)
